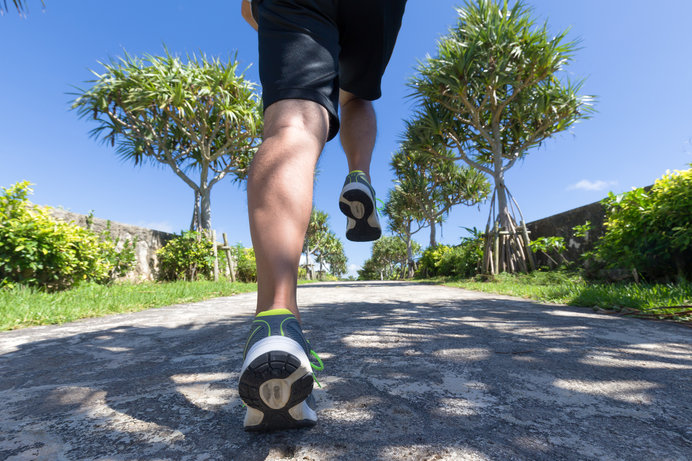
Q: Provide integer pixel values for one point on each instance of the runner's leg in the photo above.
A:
(358, 131)
(280, 196)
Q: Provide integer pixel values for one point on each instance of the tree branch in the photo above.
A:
(466, 158)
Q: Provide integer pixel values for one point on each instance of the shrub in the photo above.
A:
(429, 263)
(548, 246)
(119, 255)
(38, 250)
(650, 233)
(247, 266)
(462, 261)
(458, 261)
(189, 256)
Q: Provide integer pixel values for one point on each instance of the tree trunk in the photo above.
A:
(503, 214)
(433, 239)
(195, 224)
(409, 253)
(205, 208)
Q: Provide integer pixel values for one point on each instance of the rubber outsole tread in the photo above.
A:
(362, 231)
(274, 365)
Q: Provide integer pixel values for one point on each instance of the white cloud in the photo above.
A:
(589, 185)
(353, 270)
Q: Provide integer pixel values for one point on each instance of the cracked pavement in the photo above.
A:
(412, 371)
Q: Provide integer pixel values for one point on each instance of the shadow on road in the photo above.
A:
(467, 378)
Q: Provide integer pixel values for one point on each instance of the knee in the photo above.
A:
(296, 121)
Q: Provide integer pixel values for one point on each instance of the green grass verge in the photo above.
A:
(22, 307)
(660, 301)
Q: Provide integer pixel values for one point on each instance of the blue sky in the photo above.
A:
(635, 58)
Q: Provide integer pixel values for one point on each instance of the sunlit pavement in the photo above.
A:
(411, 372)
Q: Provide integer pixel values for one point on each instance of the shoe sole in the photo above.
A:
(358, 206)
(275, 381)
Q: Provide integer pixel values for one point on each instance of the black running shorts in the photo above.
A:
(308, 49)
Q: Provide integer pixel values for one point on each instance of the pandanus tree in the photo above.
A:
(334, 255)
(19, 5)
(387, 261)
(433, 184)
(323, 245)
(201, 118)
(315, 237)
(491, 94)
(403, 220)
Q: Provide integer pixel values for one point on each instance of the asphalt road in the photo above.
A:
(413, 371)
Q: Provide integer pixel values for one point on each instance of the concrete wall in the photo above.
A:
(560, 225)
(148, 241)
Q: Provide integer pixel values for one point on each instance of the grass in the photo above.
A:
(659, 301)
(22, 307)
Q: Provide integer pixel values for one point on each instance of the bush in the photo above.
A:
(650, 233)
(548, 246)
(38, 250)
(247, 266)
(429, 263)
(189, 256)
(120, 256)
(458, 261)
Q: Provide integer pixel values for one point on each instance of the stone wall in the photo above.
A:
(148, 240)
(560, 225)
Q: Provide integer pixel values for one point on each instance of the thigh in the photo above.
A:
(368, 32)
(299, 50)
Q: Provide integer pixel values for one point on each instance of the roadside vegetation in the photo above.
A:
(639, 267)
(206, 130)
(53, 272)
(669, 301)
(495, 89)
(23, 306)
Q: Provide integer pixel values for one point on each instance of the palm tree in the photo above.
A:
(200, 117)
(491, 94)
(434, 184)
(404, 220)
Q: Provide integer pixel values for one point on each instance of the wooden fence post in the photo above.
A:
(229, 257)
(216, 256)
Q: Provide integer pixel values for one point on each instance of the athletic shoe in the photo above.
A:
(276, 377)
(357, 202)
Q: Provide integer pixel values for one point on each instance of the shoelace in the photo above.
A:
(318, 367)
(380, 209)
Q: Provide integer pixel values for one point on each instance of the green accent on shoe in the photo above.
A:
(274, 312)
(269, 329)
(281, 327)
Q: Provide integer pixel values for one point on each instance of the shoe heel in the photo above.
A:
(275, 382)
